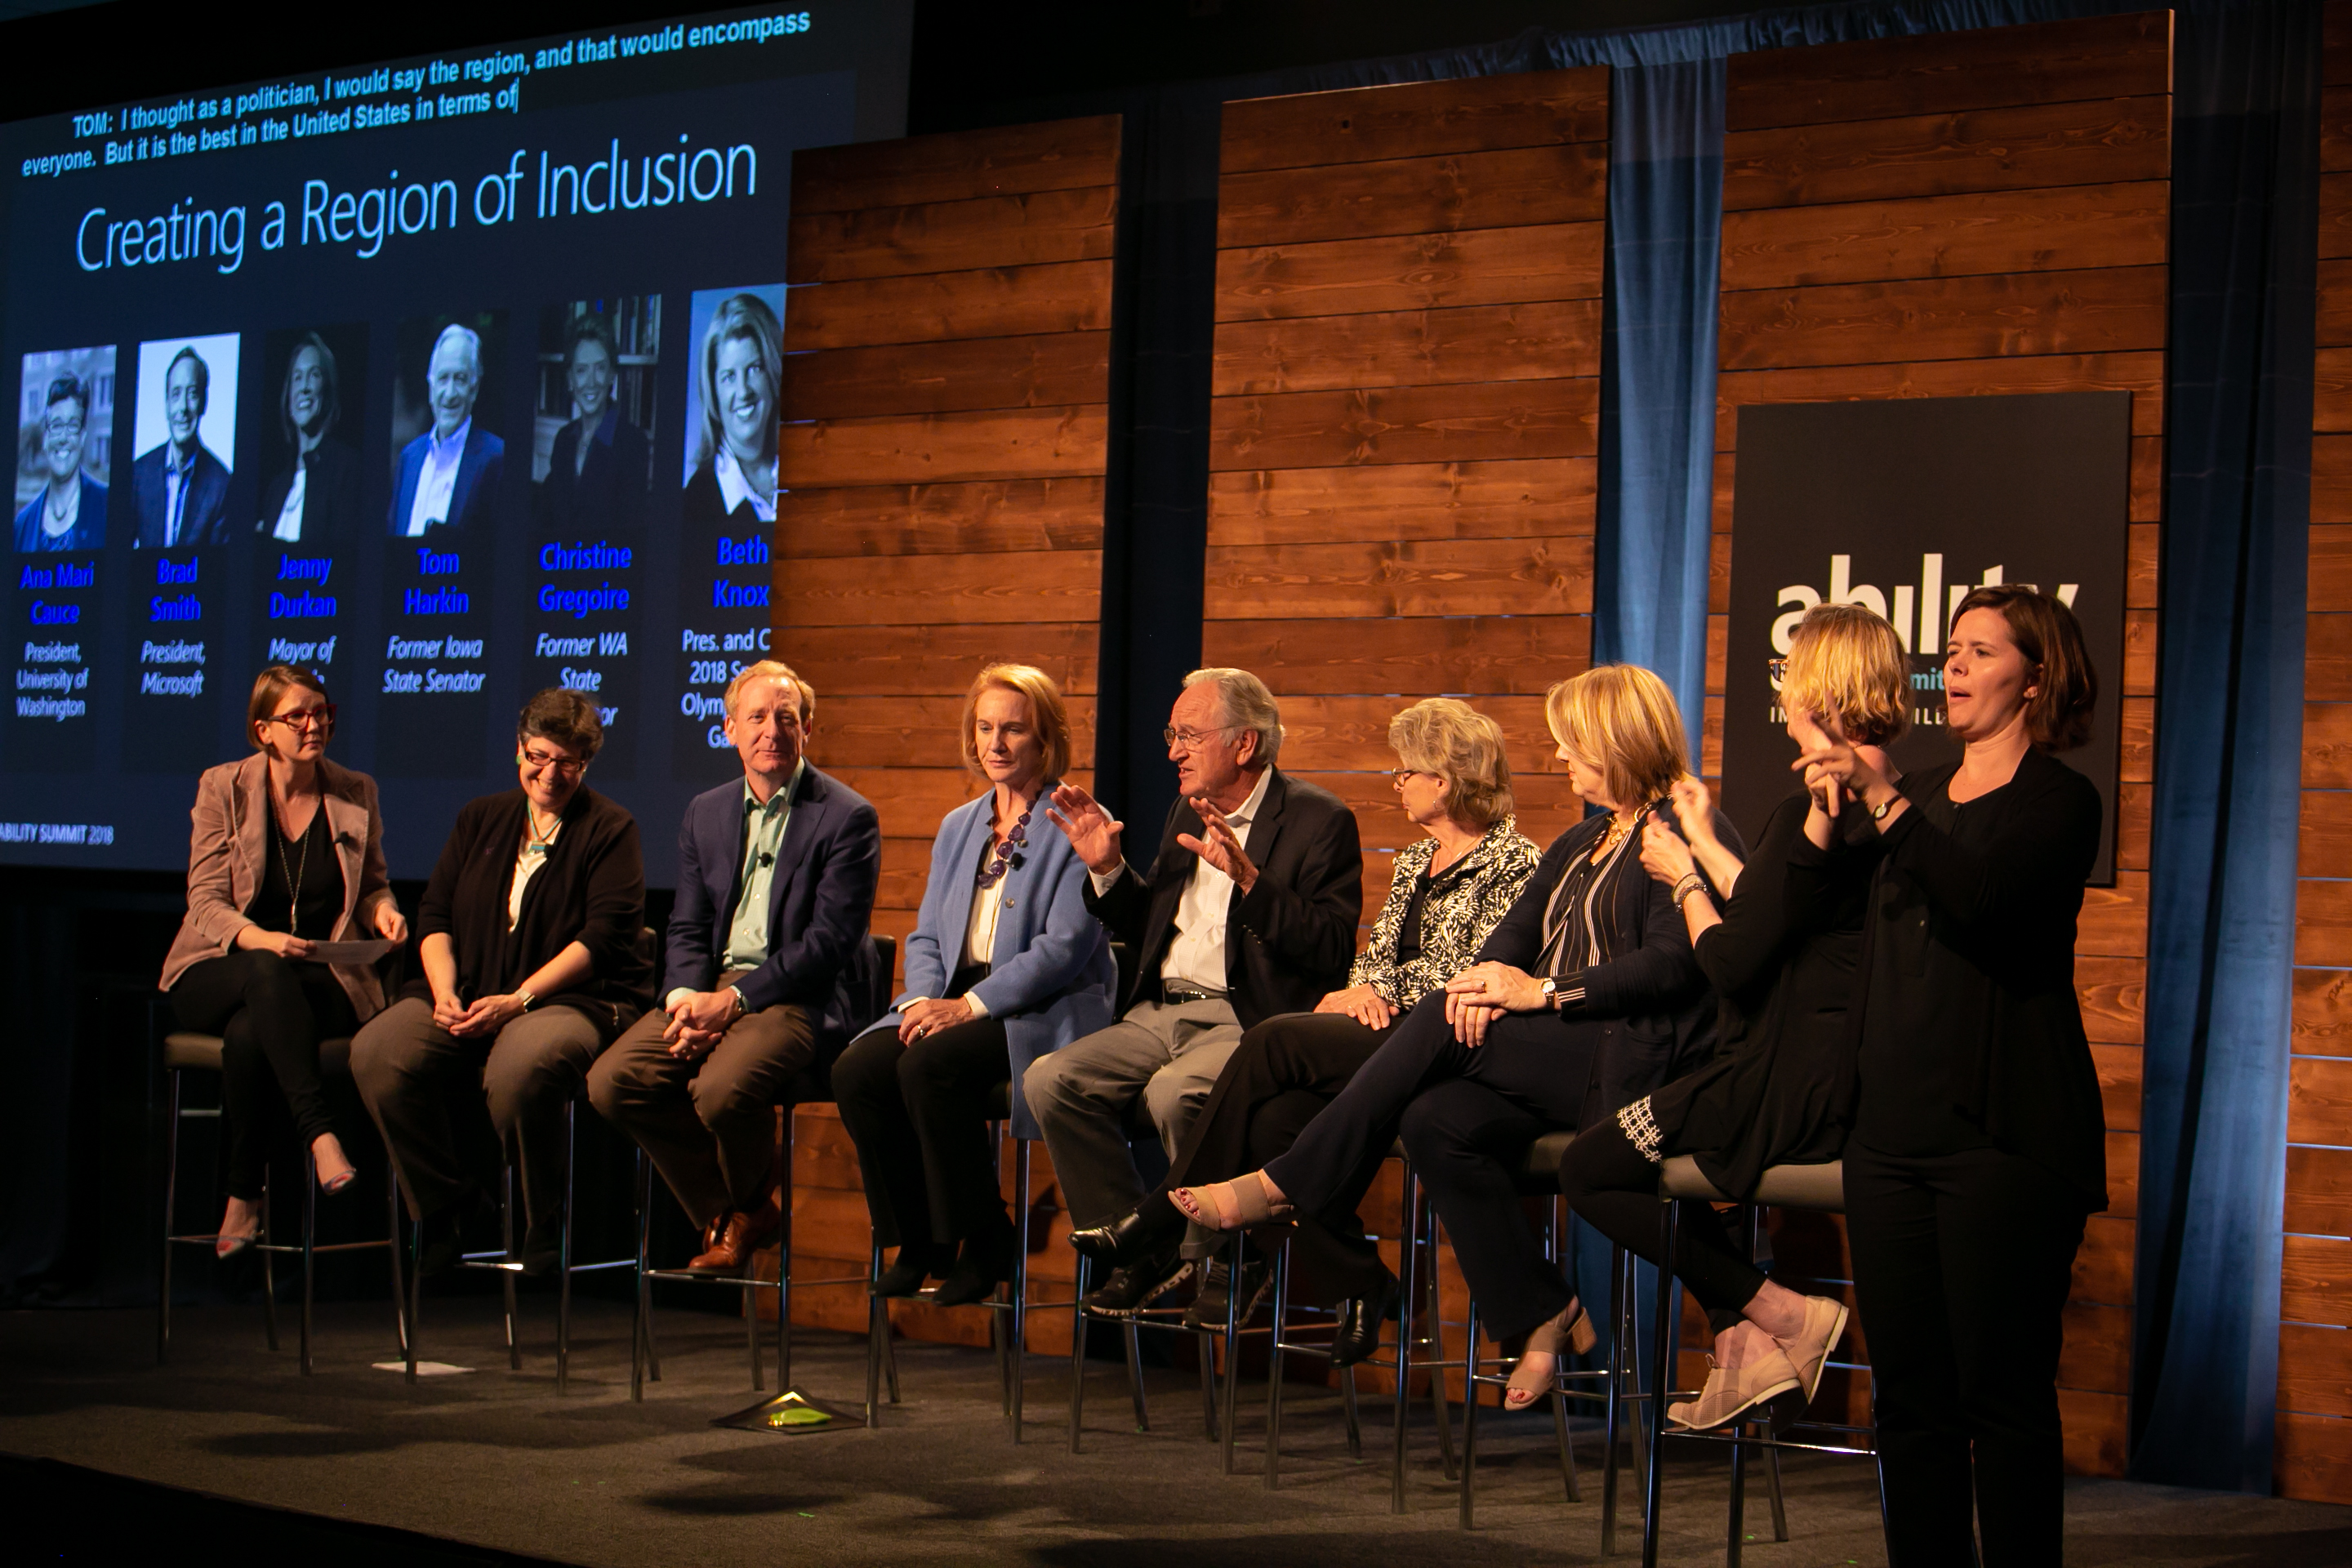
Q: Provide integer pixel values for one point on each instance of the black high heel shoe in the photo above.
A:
(1143, 1232)
(913, 1264)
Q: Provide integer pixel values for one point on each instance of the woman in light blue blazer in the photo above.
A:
(1006, 964)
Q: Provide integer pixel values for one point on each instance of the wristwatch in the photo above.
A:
(1552, 994)
(526, 998)
(1879, 813)
(741, 1006)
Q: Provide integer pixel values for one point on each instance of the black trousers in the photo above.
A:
(1961, 1266)
(1614, 1188)
(918, 1114)
(270, 1014)
(1278, 1079)
(1466, 1115)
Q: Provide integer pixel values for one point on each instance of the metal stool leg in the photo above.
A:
(1662, 1373)
(1428, 1231)
(1078, 1354)
(415, 1293)
(1019, 1326)
(1469, 1416)
(877, 1329)
(783, 1268)
(1210, 1425)
(1613, 1406)
(640, 1327)
(506, 1276)
(1354, 1417)
(1408, 1320)
(1232, 1378)
(268, 1268)
(394, 1248)
(564, 1245)
(171, 1192)
(1780, 1503)
(1736, 1514)
(1133, 1342)
(1274, 1364)
(310, 1248)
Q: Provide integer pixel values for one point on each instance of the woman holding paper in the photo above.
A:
(286, 853)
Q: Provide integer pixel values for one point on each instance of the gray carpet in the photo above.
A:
(495, 1458)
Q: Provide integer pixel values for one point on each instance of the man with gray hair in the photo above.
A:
(449, 474)
(1248, 910)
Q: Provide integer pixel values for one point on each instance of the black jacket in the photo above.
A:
(609, 492)
(330, 497)
(1288, 943)
(592, 892)
(1656, 1015)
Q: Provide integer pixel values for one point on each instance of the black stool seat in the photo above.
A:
(1821, 1187)
(184, 1051)
(1538, 1169)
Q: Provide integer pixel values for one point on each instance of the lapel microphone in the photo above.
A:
(767, 858)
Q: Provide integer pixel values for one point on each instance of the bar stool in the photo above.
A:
(1417, 1295)
(1008, 1313)
(811, 1086)
(185, 1051)
(1614, 1386)
(1218, 1393)
(1821, 1188)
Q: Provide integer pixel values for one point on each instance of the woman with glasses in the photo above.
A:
(1447, 891)
(287, 851)
(1004, 965)
(530, 945)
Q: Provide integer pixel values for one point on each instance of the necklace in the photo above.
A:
(294, 878)
(1006, 853)
(60, 511)
(1611, 837)
(538, 846)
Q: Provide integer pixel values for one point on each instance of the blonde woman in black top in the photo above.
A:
(1446, 893)
(1979, 1147)
(1781, 954)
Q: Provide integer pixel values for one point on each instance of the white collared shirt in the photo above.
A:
(438, 482)
(1196, 955)
(735, 488)
(290, 516)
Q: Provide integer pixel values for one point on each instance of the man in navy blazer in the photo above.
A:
(771, 970)
(449, 474)
(178, 488)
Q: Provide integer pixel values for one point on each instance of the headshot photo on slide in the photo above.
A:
(594, 413)
(183, 429)
(65, 442)
(447, 464)
(730, 411)
(320, 376)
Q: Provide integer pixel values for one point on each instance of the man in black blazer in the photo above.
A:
(770, 971)
(1249, 911)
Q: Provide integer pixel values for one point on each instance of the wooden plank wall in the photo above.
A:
(945, 405)
(2314, 1397)
(1404, 427)
(1967, 215)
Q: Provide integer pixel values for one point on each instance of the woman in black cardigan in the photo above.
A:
(1978, 1148)
(1782, 954)
(528, 943)
(1584, 997)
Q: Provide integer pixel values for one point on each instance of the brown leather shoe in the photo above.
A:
(733, 1236)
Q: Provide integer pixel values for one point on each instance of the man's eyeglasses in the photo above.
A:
(1188, 739)
(306, 718)
(540, 761)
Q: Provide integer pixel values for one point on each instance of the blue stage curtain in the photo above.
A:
(2221, 892)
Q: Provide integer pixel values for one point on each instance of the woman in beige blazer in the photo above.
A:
(286, 852)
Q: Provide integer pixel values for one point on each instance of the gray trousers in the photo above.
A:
(1084, 1096)
(446, 1106)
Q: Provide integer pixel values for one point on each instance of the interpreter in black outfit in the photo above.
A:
(1585, 997)
(1782, 956)
(528, 940)
(1979, 1147)
(1447, 890)
(286, 851)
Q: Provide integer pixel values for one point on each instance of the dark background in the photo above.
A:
(80, 1151)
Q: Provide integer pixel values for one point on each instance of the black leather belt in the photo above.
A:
(1174, 993)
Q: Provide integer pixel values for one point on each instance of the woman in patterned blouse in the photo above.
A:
(1445, 894)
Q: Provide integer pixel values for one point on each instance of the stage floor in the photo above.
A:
(496, 1459)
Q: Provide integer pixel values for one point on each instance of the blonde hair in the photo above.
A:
(1455, 742)
(269, 689)
(775, 669)
(1847, 662)
(1046, 711)
(1623, 721)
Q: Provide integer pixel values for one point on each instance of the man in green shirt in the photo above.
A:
(770, 971)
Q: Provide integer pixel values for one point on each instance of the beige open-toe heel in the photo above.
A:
(1229, 1206)
(1531, 1379)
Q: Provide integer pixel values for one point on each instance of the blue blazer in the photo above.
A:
(821, 956)
(1051, 975)
(88, 531)
(471, 498)
(204, 513)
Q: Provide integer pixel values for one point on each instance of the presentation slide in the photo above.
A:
(451, 377)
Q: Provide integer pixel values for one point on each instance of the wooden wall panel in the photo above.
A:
(1405, 417)
(1971, 214)
(2314, 1420)
(945, 399)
